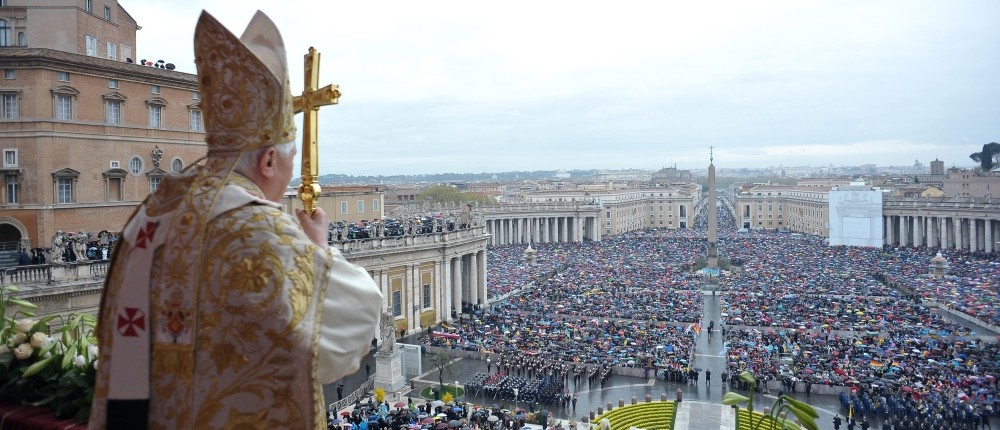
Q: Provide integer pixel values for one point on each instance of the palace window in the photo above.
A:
(64, 181)
(135, 165)
(113, 112)
(112, 51)
(4, 33)
(177, 165)
(91, 46)
(155, 116)
(196, 120)
(375, 205)
(63, 101)
(11, 105)
(8, 73)
(10, 157)
(397, 303)
(12, 187)
(107, 13)
(343, 209)
(361, 206)
(154, 183)
(114, 180)
(427, 296)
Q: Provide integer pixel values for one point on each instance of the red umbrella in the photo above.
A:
(908, 389)
(345, 414)
(427, 420)
(400, 405)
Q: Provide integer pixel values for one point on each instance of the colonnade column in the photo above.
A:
(457, 285)
(989, 236)
(473, 279)
(482, 279)
(973, 235)
(562, 230)
(446, 306)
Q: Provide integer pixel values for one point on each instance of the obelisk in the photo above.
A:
(713, 218)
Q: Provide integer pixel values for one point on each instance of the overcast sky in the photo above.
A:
(477, 86)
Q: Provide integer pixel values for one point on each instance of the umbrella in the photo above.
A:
(437, 403)
(345, 414)
(454, 423)
(493, 418)
(427, 421)
(440, 426)
(399, 405)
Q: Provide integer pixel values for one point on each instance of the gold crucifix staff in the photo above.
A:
(309, 103)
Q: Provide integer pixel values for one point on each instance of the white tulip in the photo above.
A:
(18, 339)
(79, 361)
(25, 325)
(92, 351)
(39, 340)
(23, 351)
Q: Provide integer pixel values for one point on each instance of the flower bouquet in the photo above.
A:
(45, 366)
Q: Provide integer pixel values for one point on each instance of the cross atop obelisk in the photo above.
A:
(309, 103)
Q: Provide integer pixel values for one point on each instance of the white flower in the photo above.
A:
(25, 325)
(79, 361)
(18, 339)
(95, 364)
(23, 351)
(92, 351)
(39, 340)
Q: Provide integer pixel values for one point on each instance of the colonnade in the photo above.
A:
(968, 233)
(542, 229)
(454, 280)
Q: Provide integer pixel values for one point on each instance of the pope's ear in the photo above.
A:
(267, 163)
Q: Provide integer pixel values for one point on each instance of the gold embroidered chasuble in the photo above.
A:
(261, 289)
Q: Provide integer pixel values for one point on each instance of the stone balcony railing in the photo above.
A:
(49, 274)
(410, 241)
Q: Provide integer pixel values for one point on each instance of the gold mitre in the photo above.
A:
(243, 84)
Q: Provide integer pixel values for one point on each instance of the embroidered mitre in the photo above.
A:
(244, 85)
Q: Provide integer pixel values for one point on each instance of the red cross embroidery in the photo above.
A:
(130, 320)
(145, 233)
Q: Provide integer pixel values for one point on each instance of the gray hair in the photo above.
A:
(248, 160)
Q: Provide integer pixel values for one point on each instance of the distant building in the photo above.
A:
(970, 183)
(630, 209)
(622, 175)
(667, 175)
(937, 167)
(345, 203)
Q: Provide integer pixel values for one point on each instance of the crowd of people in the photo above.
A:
(794, 310)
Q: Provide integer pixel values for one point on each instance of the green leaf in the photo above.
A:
(733, 398)
(68, 356)
(803, 416)
(23, 303)
(790, 425)
(10, 289)
(37, 367)
(748, 377)
(802, 406)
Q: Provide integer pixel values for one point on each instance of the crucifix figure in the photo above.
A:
(309, 103)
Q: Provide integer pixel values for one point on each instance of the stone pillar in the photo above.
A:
(988, 236)
(473, 280)
(903, 239)
(956, 232)
(943, 231)
(918, 231)
(481, 270)
(445, 286)
(456, 285)
(412, 323)
(973, 235)
(562, 230)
